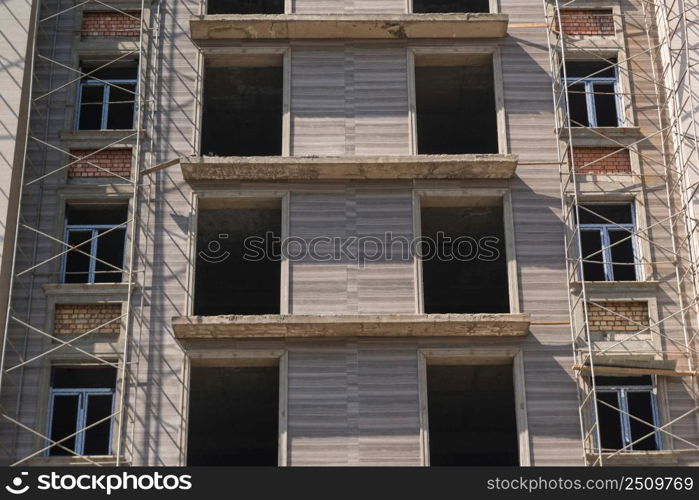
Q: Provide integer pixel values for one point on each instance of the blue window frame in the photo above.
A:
(633, 427)
(107, 98)
(609, 249)
(593, 94)
(98, 256)
(81, 411)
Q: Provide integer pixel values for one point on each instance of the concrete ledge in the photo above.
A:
(347, 26)
(107, 46)
(98, 138)
(617, 289)
(349, 167)
(604, 136)
(63, 461)
(388, 325)
(96, 290)
(638, 458)
(627, 347)
(117, 4)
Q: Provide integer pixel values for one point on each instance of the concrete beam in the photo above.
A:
(347, 26)
(485, 166)
(388, 325)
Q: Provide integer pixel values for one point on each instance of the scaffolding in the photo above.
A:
(652, 72)
(28, 348)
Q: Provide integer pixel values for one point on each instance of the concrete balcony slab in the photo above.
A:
(388, 325)
(347, 26)
(486, 166)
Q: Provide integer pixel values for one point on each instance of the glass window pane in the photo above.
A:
(577, 102)
(110, 248)
(97, 438)
(640, 406)
(606, 214)
(622, 255)
(593, 268)
(606, 105)
(609, 421)
(77, 265)
(64, 422)
(91, 107)
(121, 106)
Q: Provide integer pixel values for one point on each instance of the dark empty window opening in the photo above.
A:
(428, 6)
(81, 404)
(628, 412)
(245, 7)
(98, 233)
(593, 95)
(107, 97)
(243, 109)
(608, 242)
(464, 265)
(455, 104)
(238, 268)
(471, 412)
(233, 416)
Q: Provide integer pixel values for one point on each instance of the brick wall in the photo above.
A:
(110, 23)
(587, 21)
(604, 321)
(618, 162)
(117, 161)
(76, 319)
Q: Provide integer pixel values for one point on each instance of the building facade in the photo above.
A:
(349, 232)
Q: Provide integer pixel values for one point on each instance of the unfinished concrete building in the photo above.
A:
(354, 232)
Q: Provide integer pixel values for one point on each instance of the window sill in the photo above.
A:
(595, 42)
(604, 136)
(98, 138)
(389, 325)
(481, 166)
(117, 4)
(347, 26)
(638, 458)
(90, 291)
(615, 288)
(107, 46)
(103, 460)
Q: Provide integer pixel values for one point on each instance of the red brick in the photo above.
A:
(587, 22)
(117, 161)
(608, 160)
(111, 24)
